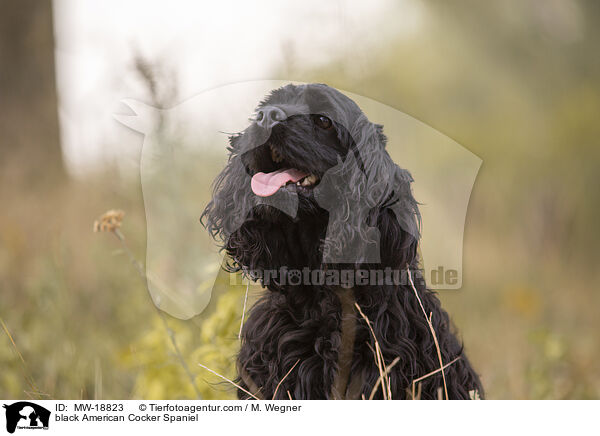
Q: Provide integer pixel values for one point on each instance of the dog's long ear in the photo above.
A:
(377, 218)
(228, 196)
(395, 212)
(398, 221)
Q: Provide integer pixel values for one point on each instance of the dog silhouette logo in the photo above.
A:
(26, 415)
(183, 150)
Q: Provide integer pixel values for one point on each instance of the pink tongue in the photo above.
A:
(267, 184)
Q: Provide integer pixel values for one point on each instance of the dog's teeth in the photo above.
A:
(309, 180)
(276, 156)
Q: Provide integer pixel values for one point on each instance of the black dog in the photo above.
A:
(309, 194)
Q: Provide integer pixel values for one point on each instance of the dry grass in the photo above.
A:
(111, 222)
(431, 329)
(384, 371)
(248, 392)
(385, 376)
(416, 381)
(244, 310)
(379, 360)
(229, 381)
(284, 377)
(35, 392)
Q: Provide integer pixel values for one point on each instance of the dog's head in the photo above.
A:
(308, 183)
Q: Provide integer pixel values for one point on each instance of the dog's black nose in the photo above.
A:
(268, 116)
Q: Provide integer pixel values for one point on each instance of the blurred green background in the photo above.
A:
(515, 82)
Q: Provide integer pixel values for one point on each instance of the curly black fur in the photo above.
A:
(374, 207)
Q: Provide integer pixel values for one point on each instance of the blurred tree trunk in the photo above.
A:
(29, 132)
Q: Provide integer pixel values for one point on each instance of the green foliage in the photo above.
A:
(212, 342)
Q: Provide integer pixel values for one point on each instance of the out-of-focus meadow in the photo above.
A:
(517, 83)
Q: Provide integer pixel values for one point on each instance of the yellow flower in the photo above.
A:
(109, 221)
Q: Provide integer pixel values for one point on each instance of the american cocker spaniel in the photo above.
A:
(311, 205)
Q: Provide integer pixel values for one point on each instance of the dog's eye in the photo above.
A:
(323, 122)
